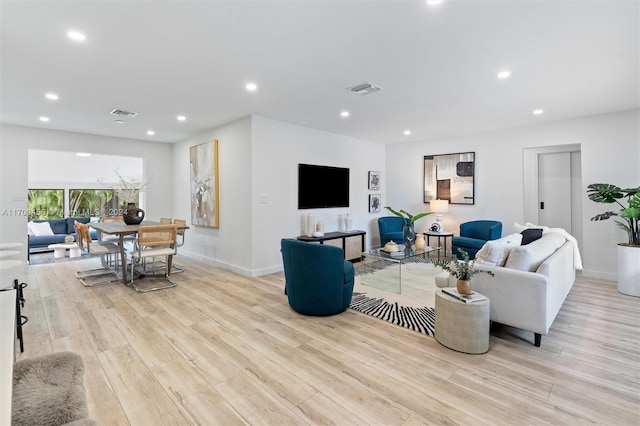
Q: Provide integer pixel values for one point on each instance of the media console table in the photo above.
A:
(351, 242)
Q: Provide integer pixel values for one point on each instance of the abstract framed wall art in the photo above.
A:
(374, 180)
(205, 197)
(450, 177)
(375, 203)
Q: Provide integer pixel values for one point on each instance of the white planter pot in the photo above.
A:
(629, 270)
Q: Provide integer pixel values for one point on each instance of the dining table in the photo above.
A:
(121, 230)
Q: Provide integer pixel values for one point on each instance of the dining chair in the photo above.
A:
(165, 221)
(155, 241)
(96, 248)
(114, 238)
(181, 224)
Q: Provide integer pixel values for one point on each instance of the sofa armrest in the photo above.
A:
(518, 298)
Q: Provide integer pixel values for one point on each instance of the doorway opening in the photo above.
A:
(553, 187)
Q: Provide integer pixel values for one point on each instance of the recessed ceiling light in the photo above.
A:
(252, 87)
(407, 132)
(151, 132)
(83, 154)
(434, 2)
(44, 119)
(504, 74)
(344, 114)
(538, 111)
(76, 35)
(181, 118)
(51, 96)
(120, 121)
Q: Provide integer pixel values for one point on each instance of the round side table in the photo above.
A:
(463, 327)
(439, 235)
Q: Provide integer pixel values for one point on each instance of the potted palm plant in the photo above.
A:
(629, 214)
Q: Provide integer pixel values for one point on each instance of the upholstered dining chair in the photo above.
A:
(154, 241)
(317, 278)
(96, 248)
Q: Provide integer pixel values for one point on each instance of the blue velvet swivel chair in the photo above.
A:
(473, 235)
(317, 278)
(390, 228)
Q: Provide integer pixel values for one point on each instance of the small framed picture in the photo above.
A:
(374, 180)
(374, 203)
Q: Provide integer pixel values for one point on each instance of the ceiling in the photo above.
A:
(437, 65)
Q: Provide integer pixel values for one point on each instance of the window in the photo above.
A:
(46, 204)
(93, 202)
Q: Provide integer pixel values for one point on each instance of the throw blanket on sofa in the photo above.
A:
(577, 260)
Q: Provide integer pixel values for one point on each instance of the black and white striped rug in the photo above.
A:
(422, 320)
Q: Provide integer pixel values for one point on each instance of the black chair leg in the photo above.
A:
(20, 319)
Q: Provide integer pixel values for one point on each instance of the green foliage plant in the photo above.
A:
(630, 214)
(92, 202)
(408, 218)
(461, 269)
(45, 204)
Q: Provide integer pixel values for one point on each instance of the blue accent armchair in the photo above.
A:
(390, 228)
(474, 234)
(317, 278)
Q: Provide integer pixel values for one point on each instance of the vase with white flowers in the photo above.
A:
(128, 190)
(463, 270)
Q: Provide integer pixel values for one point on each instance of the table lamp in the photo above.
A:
(439, 207)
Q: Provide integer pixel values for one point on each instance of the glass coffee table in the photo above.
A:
(390, 279)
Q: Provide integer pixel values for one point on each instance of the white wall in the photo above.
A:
(15, 142)
(610, 151)
(278, 148)
(44, 169)
(259, 158)
(228, 246)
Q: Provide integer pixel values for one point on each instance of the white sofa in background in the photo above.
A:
(529, 290)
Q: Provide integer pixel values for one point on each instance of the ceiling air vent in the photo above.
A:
(123, 113)
(365, 88)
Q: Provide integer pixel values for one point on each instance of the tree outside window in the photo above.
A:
(93, 202)
(45, 204)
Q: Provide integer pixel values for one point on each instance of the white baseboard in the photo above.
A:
(600, 275)
(251, 273)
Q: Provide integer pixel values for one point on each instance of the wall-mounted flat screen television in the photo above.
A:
(322, 186)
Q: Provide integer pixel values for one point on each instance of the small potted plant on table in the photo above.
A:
(463, 270)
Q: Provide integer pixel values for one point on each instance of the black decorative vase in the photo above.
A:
(134, 215)
(408, 234)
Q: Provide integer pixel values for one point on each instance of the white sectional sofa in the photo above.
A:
(529, 289)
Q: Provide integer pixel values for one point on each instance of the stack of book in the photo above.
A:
(393, 254)
(466, 298)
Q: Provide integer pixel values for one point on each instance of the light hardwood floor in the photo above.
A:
(222, 349)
